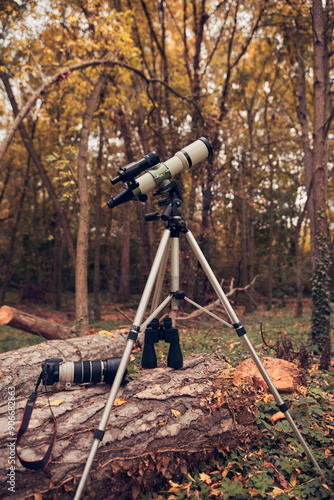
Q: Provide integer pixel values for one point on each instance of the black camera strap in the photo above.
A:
(34, 464)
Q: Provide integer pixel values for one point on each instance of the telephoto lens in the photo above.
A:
(81, 372)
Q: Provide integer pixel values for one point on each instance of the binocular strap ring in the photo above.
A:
(34, 464)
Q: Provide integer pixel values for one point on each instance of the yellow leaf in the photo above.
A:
(232, 344)
(237, 379)
(132, 357)
(275, 492)
(176, 488)
(205, 478)
(176, 413)
(56, 402)
(253, 492)
(293, 478)
(266, 398)
(120, 401)
(107, 333)
(278, 416)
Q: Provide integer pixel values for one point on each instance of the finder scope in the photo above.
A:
(160, 173)
(80, 372)
(126, 174)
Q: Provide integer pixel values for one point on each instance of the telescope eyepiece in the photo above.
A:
(126, 174)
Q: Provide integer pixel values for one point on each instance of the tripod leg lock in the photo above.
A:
(283, 407)
(133, 333)
(239, 329)
(98, 434)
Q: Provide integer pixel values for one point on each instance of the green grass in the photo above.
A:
(11, 339)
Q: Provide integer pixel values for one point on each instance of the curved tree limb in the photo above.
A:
(64, 73)
(217, 302)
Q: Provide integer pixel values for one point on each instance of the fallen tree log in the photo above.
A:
(166, 421)
(20, 368)
(33, 324)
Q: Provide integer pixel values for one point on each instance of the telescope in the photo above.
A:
(158, 174)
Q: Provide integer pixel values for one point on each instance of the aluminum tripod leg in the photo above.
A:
(160, 279)
(98, 436)
(243, 336)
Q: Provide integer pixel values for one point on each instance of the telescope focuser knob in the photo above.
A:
(153, 216)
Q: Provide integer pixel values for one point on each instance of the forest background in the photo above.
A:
(94, 85)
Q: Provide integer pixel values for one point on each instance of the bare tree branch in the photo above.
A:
(217, 302)
(64, 73)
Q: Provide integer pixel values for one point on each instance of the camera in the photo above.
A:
(80, 372)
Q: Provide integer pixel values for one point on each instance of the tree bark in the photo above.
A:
(243, 202)
(320, 282)
(124, 286)
(166, 422)
(305, 132)
(81, 285)
(33, 324)
(97, 280)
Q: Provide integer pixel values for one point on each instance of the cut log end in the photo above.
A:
(33, 324)
(6, 315)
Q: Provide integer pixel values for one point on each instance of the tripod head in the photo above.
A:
(172, 203)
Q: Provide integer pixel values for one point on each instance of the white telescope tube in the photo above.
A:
(162, 172)
(185, 158)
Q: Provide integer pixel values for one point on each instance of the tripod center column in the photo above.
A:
(175, 267)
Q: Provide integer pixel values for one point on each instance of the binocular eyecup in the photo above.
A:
(153, 334)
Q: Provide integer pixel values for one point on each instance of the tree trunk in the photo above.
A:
(58, 257)
(81, 285)
(305, 132)
(97, 281)
(166, 421)
(244, 259)
(320, 282)
(124, 286)
(271, 237)
(33, 324)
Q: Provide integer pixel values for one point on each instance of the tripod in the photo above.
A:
(170, 243)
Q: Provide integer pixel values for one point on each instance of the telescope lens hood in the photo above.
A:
(208, 145)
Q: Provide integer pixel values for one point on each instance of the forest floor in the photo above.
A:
(274, 467)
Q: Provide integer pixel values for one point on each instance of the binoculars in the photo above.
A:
(153, 334)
